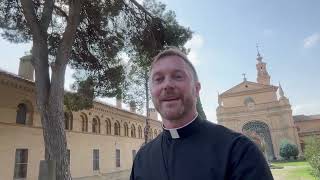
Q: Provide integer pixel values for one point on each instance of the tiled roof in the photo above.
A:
(303, 117)
(14, 75)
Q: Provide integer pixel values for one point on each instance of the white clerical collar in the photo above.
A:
(174, 131)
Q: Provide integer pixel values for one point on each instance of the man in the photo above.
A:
(190, 148)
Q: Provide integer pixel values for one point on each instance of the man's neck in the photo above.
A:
(174, 124)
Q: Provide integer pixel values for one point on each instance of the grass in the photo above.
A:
(292, 171)
(294, 163)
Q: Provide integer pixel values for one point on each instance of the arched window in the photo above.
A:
(96, 125)
(21, 117)
(150, 134)
(108, 126)
(68, 120)
(126, 129)
(133, 131)
(155, 133)
(139, 132)
(117, 128)
(24, 113)
(84, 122)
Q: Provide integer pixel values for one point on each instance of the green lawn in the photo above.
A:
(293, 171)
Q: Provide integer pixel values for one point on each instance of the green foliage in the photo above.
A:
(82, 99)
(312, 154)
(288, 150)
(134, 88)
(162, 32)
(106, 28)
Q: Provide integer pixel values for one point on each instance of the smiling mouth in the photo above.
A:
(170, 99)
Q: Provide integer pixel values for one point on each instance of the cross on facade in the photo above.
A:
(244, 76)
(257, 46)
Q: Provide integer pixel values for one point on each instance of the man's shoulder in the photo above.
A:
(218, 130)
(154, 144)
(224, 135)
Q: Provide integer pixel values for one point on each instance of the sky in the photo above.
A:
(223, 47)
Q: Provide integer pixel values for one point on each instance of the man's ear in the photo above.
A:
(198, 87)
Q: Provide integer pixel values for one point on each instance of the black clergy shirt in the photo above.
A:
(200, 151)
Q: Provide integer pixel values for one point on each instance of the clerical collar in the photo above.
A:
(184, 131)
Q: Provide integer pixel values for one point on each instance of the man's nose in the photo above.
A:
(168, 84)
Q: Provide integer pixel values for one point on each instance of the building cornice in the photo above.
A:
(272, 111)
(312, 133)
(107, 108)
(17, 82)
(67, 131)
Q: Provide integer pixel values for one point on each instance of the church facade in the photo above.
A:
(102, 141)
(259, 108)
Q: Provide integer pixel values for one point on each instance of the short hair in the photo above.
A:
(179, 53)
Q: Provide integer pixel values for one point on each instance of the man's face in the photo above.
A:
(173, 90)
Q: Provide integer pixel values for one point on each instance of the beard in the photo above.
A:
(176, 108)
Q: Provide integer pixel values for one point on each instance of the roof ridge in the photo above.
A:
(249, 82)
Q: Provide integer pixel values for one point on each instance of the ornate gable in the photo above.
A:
(248, 86)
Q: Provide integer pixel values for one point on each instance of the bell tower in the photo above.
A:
(26, 69)
(262, 73)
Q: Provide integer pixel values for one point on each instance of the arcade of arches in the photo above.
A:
(101, 140)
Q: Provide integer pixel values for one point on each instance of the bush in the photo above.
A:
(312, 154)
(288, 150)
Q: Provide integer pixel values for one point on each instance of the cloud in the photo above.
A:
(140, 1)
(195, 44)
(311, 40)
(309, 108)
(124, 57)
(267, 32)
(211, 114)
(68, 79)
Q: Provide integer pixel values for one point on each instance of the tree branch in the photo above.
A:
(30, 15)
(141, 8)
(46, 14)
(69, 34)
(147, 13)
(62, 13)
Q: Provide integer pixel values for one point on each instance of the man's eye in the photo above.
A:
(178, 77)
(157, 79)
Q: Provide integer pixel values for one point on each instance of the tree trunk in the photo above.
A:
(146, 135)
(55, 137)
(49, 94)
(56, 132)
(50, 105)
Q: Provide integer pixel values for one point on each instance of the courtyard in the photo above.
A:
(292, 171)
